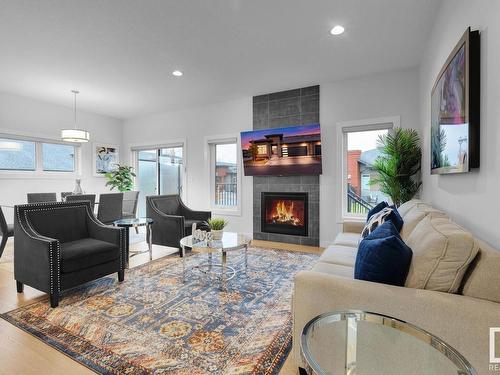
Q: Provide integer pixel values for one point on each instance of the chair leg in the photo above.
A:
(19, 286)
(137, 230)
(121, 276)
(302, 371)
(2, 244)
(54, 300)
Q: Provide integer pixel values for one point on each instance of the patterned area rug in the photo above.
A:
(153, 323)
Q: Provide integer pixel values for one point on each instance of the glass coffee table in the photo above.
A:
(230, 241)
(363, 343)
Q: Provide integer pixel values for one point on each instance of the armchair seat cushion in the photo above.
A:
(85, 253)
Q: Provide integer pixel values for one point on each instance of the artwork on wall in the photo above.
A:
(294, 150)
(106, 157)
(455, 110)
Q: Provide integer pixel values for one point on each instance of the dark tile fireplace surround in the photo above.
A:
(281, 109)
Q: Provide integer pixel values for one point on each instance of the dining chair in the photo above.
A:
(6, 230)
(130, 199)
(41, 197)
(64, 194)
(110, 207)
(82, 197)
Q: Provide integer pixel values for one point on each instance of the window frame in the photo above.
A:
(210, 144)
(343, 129)
(135, 148)
(39, 172)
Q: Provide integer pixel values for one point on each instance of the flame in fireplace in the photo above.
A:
(284, 212)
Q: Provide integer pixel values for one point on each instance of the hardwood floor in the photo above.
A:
(21, 353)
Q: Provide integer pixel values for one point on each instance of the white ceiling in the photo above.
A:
(120, 53)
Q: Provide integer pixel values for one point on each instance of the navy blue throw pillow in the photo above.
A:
(379, 207)
(383, 257)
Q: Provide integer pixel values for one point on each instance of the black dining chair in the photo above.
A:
(130, 199)
(42, 197)
(110, 207)
(64, 194)
(6, 230)
(82, 197)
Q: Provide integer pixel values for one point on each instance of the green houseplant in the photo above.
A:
(399, 164)
(217, 226)
(121, 178)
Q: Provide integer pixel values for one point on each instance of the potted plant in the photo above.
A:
(121, 178)
(399, 165)
(217, 226)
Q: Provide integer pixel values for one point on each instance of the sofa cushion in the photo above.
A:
(414, 215)
(85, 253)
(379, 207)
(347, 239)
(338, 254)
(383, 257)
(334, 269)
(442, 251)
(389, 213)
(407, 206)
(482, 279)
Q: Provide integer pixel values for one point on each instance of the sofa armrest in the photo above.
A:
(351, 226)
(463, 322)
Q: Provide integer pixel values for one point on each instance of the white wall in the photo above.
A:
(391, 94)
(383, 95)
(20, 115)
(193, 126)
(471, 199)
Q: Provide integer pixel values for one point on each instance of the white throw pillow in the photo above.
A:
(442, 252)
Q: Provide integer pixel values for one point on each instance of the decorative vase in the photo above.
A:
(78, 188)
(217, 234)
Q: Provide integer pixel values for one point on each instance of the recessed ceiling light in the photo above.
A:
(177, 73)
(337, 30)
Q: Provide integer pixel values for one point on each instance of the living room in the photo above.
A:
(251, 139)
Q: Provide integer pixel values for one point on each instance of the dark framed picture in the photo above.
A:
(455, 107)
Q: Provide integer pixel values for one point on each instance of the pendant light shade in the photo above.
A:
(75, 134)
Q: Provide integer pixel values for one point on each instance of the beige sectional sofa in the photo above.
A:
(466, 266)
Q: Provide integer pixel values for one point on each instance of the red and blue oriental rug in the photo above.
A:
(153, 323)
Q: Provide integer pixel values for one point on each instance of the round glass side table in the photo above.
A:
(134, 223)
(363, 343)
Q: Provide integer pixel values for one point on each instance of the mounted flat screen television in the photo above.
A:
(455, 107)
(294, 150)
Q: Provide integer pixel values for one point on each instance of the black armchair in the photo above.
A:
(60, 245)
(172, 219)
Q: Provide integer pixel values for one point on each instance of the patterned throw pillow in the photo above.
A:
(386, 214)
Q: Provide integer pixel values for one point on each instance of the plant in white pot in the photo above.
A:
(217, 226)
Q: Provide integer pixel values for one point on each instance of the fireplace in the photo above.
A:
(284, 213)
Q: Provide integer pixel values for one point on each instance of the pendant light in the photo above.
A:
(75, 135)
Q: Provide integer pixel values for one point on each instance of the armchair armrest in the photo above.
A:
(351, 226)
(463, 322)
(167, 229)
(194, 215)
(108, 233)
(36, 257)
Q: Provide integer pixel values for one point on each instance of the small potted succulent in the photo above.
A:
(217, 226)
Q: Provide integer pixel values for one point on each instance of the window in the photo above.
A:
(159, 171)
(224, 174)
(17, 155)
(360, 191)
(58, 157)
(26, 154)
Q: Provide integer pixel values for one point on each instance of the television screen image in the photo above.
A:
(455, 111)
(294, 150)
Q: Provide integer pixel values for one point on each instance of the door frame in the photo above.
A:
(180, 142)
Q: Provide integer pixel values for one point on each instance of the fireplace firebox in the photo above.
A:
(284, 213)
